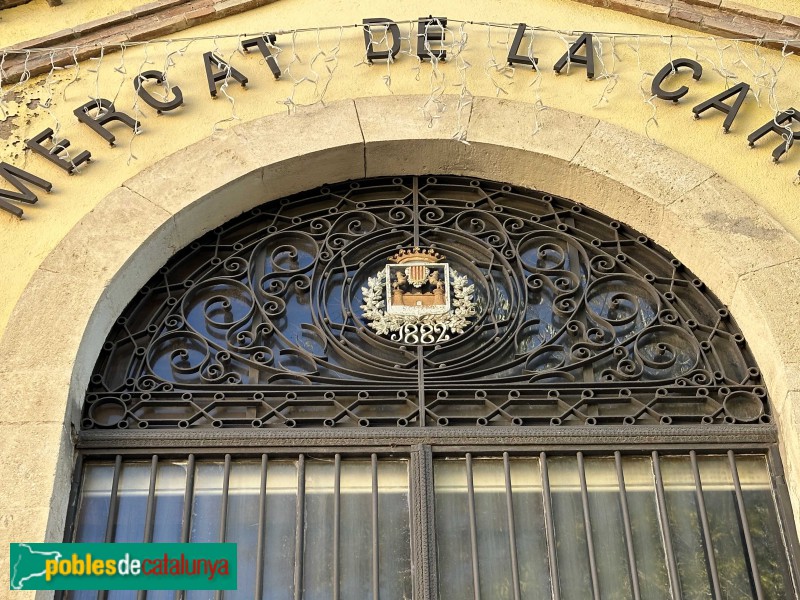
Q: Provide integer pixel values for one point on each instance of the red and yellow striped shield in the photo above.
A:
(417, 274)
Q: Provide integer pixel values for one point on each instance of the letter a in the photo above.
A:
(211, 60)
(573, 57)
(739, 90)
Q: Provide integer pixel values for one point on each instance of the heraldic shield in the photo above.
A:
(417, 296)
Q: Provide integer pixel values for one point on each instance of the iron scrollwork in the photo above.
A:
(569, 319)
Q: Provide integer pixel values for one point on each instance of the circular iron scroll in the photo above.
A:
(579, 321)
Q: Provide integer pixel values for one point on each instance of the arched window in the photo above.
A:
(438, 387)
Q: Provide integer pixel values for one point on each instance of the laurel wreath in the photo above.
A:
(383, 323)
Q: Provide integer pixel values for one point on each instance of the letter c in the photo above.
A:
(669, 69)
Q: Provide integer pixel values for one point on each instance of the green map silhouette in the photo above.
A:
(28, 565)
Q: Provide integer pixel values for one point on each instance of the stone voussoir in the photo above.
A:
(680, 15)
(708, 3)
(751, 11)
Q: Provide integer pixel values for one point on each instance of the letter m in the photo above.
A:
(13, 175)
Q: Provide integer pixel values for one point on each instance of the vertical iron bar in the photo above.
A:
(112, 512)
(420, 357)
(149, 515)
(751, 554)
(114, 502)
(223, 511)
(423, 524)
(701, 508)
(262, 529)
(626, 521)
(376, 587)
(674, 581)
(550, 529)
(512, 535)
(783, 504)
(421, 386)
(150, 512)
(75, 498)
(188, 500)
(473, 529)
(299, 527)
(337, 512)
(587, 523)
(415, 208)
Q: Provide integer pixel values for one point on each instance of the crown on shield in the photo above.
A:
(417, 255)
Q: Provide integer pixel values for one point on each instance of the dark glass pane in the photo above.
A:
(168, 517)
(685, 527)
(452, 530)
(765, 530)
(726, 532)
(571, 547)
(318, 556)
(170, 490)
(95, 499)
(355, 575)
(608, 533)
(134, 485)
(394, 531)
(648, 544)
(206, 509)
(494, 551)
(280, 530)
(242, 524)
(534, 572)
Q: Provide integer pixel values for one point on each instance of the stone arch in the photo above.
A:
(61, 320)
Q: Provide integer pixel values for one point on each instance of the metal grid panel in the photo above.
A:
(296, 518)
(579, 321)
(610, 525)
(488, 523)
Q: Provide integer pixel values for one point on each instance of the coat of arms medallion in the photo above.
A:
(417, 298)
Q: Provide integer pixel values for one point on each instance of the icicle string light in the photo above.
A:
(513, 26)
(137, 113)
(434, 106)
(647, 97)
(536, 84)
(120, 68)
(76, 74)
(610, 77)
(464, 105)
(500, 69)
(313, 64)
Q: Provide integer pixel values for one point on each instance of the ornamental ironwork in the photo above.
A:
(424, 301)
(411, 300)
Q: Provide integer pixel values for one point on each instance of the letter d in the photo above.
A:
(124, 564)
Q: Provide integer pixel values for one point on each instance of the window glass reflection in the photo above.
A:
(677, 521)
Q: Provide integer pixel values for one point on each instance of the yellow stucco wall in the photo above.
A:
(25, 243)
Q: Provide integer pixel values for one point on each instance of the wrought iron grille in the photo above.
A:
(616, 525)
(579, 320)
